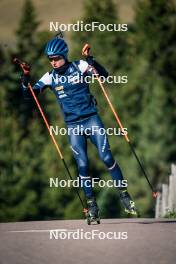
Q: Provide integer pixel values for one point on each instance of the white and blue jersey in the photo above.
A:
(79, 108)
(71, 91)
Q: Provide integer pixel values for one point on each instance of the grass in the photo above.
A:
(63, 11)
(171, 215)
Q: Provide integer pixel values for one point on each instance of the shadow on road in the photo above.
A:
(143, 222)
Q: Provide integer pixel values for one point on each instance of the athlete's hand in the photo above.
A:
(25, 68)
(23, 65)
(86, 50)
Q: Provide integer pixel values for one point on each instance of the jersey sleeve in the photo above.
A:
(87, 67)
(83, 66)
(45, 81)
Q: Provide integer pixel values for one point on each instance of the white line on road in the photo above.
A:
(36, 230)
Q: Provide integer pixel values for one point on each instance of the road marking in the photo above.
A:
(36, 230)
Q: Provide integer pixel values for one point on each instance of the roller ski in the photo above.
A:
(92, 214)
(128, 204)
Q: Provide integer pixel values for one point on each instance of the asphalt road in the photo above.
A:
(142, 241)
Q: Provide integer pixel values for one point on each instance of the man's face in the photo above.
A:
(57, 61)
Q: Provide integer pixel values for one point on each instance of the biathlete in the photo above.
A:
(79, 109)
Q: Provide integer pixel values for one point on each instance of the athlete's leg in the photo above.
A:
(78, 144)
(100, 140)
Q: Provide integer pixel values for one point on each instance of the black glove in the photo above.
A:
(100, 69)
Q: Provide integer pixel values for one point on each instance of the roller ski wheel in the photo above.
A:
(128, 204)
(92, 215)
(92, 219)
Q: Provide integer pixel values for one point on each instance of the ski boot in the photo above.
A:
(128, 203)
(93, 211)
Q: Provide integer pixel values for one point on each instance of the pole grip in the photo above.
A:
(86, 50)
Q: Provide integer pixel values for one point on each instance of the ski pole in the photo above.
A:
(21, 64)
(85, 52)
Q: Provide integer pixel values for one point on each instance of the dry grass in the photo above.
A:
(63, 11)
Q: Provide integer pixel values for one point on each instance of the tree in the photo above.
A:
(156, 31)
(28, 158)
(148, 101)
(108, 46)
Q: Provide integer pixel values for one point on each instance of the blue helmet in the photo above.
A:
(56, 46)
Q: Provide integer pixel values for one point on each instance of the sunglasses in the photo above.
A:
(55, 58)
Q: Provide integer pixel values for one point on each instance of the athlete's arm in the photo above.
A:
(86, 67)
(98, 67)
(42, 84)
